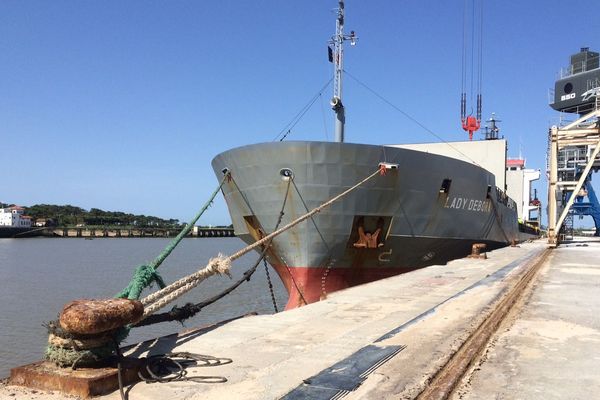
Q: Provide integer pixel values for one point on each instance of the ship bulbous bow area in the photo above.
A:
(426, 209)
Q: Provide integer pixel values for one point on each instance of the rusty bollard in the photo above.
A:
(89, 317)
(478, 251)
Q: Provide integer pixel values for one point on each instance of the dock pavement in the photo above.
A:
(551, 349)
(388, 339)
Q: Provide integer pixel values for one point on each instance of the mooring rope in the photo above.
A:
(290, 180)
(189, 310)
(66, 350)
(221, 264)
(146, 274)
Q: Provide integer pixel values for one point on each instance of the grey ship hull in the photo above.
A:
(422, 224)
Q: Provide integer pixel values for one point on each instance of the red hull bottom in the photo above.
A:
(307, 285)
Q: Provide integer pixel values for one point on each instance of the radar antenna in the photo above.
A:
(492, 130)
(336, 55)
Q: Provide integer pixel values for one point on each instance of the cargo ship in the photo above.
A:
(429, 205)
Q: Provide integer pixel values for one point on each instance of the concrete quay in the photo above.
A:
(389, 339)
(550, 349)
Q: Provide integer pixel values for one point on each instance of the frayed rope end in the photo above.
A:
(220, 265)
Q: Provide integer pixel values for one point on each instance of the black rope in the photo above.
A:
(190, 309)
(281, 213)
(170, 367)
(119, 369)
(328, 259)
(287, 191)
(279, 219)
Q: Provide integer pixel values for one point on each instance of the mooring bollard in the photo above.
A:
(478, 251)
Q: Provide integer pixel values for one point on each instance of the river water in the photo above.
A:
(39, 275)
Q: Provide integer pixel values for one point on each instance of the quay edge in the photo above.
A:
(425, 313)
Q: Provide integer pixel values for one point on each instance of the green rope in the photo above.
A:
(145, 275)
(64, 357)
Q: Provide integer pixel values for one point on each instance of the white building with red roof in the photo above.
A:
(14, 216)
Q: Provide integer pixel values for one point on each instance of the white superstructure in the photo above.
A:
(511, 174)
(14, 216)
(519, 180)
(488, 154)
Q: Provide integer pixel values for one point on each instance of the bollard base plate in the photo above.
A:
(82, 382)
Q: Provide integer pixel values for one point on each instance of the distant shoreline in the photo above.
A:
(113, 232)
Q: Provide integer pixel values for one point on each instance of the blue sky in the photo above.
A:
(122, 105)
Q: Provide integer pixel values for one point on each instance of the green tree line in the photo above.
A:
(68, 215)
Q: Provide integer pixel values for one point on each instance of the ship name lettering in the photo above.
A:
(464, 203)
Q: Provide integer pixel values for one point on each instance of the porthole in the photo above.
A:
(286, 173)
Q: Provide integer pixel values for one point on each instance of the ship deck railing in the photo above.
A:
(579, 68)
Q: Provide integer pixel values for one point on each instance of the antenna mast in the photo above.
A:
(336, 56)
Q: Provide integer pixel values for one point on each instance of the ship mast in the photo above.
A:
(336, 56)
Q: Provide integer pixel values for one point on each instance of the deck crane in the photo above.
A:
(469, 122)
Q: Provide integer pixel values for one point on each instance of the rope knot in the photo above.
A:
(145, 275)
(220, 265)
